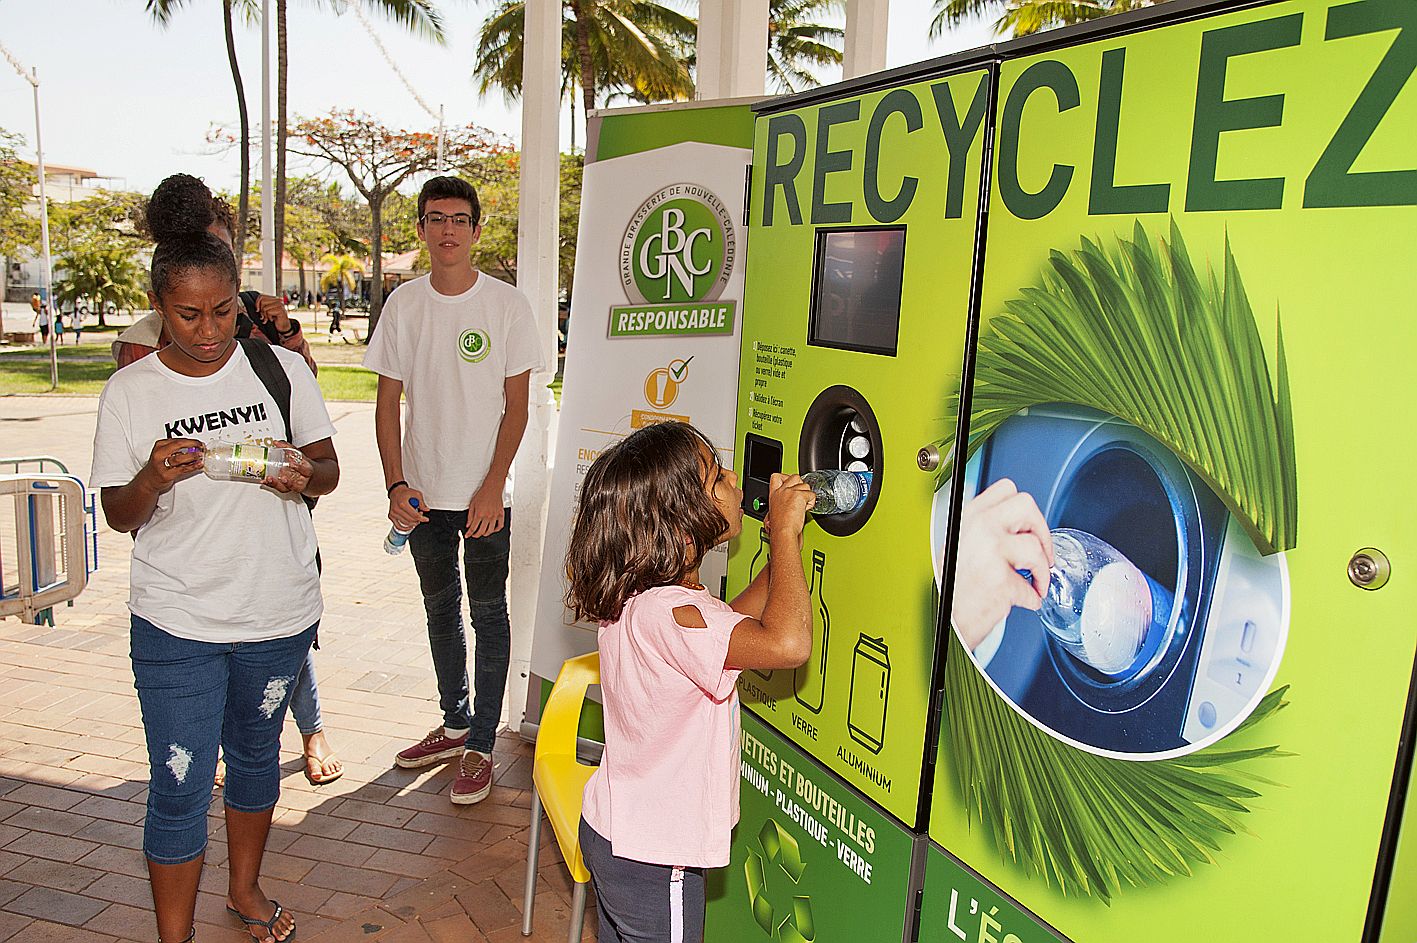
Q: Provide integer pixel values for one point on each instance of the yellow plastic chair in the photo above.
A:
(558, 783)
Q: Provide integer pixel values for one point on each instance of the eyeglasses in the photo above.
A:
(459, 220)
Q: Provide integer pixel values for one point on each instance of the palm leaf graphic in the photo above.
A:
(1136, 332)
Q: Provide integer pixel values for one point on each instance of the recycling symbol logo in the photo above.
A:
(780, 854)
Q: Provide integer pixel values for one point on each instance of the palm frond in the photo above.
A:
(1088, 824)
(1135, 332)
(420, 17)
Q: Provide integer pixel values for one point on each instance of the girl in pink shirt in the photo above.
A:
(664, 801)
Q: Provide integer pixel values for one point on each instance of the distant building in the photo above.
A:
(397, 268)
(20, 275)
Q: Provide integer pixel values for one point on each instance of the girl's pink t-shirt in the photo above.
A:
(666, 791)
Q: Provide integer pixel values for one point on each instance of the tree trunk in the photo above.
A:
(581, 10)
(301, 263)
(281, 63)
(244, 203)
(376, 246)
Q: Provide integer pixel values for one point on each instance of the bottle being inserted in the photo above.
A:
(1100, 606)
(247, 462)
(838, 492)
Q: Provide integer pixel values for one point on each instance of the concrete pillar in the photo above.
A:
(732, 49)
(536, 276)
(865, 50)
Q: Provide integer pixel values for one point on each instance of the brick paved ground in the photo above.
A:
(380, 855)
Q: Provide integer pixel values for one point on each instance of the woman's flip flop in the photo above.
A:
(324, 778)
(270, 924)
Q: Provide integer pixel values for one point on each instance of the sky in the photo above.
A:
(134, 102)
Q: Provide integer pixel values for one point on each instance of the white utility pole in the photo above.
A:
(865, 50)
(46, 275)
(537, 245)
(270, 266)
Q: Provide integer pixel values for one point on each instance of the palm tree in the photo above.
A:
(797, 45)
(1022, 17)
(161, 12)
(419, 16)
(343, 268)
(637, 48)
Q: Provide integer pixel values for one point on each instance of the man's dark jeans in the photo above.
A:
(434, 546)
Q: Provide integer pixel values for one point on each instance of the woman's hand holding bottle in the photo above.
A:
(170, 461)
(294, 476)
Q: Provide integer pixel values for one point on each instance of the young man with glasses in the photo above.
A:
(460, 346)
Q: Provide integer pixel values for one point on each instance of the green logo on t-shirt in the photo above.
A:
(473, 345)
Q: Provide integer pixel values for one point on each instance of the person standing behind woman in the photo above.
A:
(270, 324)
(661, 806)
(213, 662)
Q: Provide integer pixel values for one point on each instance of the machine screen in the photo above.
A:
(856, 290)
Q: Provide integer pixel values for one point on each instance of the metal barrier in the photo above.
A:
(55, 545)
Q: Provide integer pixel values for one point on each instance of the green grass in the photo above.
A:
(28, 373)
(83, 371)
(28, 376)
(348, 383)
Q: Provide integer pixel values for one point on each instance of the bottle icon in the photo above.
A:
(760, 559)
(810, 679)
(1100, 606)
(397, 539)
(247, 462)
(838, 492)
(870, 688)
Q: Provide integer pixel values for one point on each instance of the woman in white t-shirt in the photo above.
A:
(213, 662)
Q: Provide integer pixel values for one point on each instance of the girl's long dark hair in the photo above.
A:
(177, 217)
(646, 519)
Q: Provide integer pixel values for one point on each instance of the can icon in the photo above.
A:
(870, 688)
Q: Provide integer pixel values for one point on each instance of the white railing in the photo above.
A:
(49, 544)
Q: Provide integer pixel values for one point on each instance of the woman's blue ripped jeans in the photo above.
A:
(194, 697)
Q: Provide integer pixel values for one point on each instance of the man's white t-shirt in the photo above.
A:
(453, 354)
(219, 561)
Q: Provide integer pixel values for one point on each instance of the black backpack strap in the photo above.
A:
(277, 383)
(271, 374)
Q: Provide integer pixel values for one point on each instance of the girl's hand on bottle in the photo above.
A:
(291, 479)
(172, 460)
(789, 500)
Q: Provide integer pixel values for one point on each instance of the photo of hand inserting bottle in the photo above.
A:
(1089, 597)
(1105, 592)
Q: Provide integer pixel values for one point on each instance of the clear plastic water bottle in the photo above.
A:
(1099, 605)
(247, 462)
(838, 492)
(397, 539)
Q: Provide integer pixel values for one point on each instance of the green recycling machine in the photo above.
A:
(1155, 272)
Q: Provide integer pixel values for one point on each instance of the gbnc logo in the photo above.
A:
(473, 345)
(669, 253)
(679, 247)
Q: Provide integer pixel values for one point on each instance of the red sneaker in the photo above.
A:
(474, 779)
(431, 749)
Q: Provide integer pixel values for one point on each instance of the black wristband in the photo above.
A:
(395, 485)
(294, 329)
